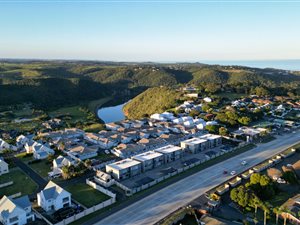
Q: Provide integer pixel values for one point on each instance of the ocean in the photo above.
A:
(276, 64)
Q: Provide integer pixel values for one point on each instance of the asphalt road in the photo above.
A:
(156, 206)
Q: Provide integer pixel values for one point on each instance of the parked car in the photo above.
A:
(244, 163)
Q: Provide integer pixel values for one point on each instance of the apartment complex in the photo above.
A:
(124, 169)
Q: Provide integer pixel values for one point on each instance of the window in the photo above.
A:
(13, 219)
(66, 199)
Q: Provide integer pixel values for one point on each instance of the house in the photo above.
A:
(192, 95)
(127, 150)
(82, 152)
(189, 89)
(207, 99)
(101, 139)
(194, 145)
(21, 141)
(15, 211)
(151, 143)
(165, 116)
(103, 179)
(249, 132)
(112, 126)
(3, 145)
(3, 167)
(124, 169)
(171, 138)
(53, 197)
(61, 161)
(39, 151)
(213, 140)
(149, 160)
(170, 152)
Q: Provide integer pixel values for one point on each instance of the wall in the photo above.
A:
(6, 184)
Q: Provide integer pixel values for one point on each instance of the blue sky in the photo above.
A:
(150, 31)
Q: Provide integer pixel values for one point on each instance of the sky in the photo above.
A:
(160, 31)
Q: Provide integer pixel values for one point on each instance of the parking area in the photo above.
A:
(166, 169)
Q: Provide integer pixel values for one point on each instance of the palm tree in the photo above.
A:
(277, 211)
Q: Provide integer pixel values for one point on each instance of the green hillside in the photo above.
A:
(153, 100)
(54, 84)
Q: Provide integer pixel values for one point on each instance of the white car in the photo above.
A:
(232, 173)
(244, 163)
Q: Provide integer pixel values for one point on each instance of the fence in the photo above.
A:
(6, 184)
(16, 195)
(101, 189)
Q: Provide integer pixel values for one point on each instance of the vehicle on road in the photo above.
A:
(232, 173)
(244, 163)
(225, 172)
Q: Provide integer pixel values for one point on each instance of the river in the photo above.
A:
(111, 113)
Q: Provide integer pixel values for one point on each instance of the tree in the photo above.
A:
(277, 211)
(66, 172)
(264, 180)
(194, 113)
(88, 162)
(50, 158)
(223, 131)
(240, 195)
(261, 91)
(244, 120)
(255, 178)
(212, 129)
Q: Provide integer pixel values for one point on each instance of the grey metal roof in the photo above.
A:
(22, 202)
(49, 193)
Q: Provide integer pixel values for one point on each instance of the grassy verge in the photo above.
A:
(22, 183)
(86, 195)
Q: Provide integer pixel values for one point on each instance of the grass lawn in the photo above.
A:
(24, 157)
(105, 157)
(93, 105)
(22, 183)
(74, 112)
(42, 167)
(86, 195)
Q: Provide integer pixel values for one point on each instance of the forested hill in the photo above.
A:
(51, 84)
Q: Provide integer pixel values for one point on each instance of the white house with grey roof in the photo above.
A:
(4, 145)
(40, 151)
(3, 167)
(15, 211)
(53, 197)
